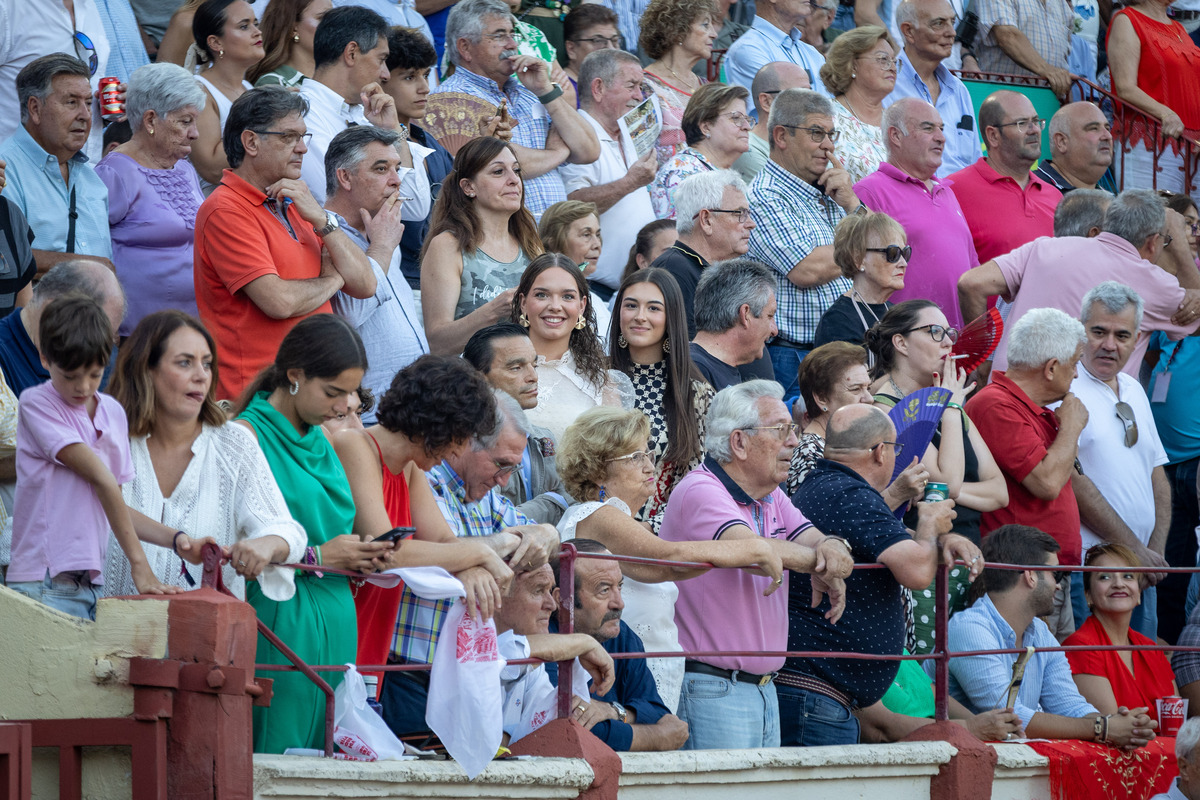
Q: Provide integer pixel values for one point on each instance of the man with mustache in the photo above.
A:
(610, 84)
(1081, 142)
(631, 716)
(905, 187)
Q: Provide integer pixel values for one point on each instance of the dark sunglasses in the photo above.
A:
(93, 61)
(893, 252)
(1125, 413)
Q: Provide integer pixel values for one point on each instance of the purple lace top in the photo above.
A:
(152, 213)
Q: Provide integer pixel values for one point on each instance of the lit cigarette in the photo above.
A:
(955, 358)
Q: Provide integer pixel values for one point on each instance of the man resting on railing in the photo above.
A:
(1006, 617)
(842, 496)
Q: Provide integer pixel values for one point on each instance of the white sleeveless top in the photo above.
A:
(223, 106)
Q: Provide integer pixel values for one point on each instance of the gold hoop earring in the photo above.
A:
(523, 320)
(666, 344)
(622, 342)
(580, 323)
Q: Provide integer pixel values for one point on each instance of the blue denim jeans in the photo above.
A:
(403, 700)
(810, 719)
(786, 363)
(69, 592)
(1145, 616)
(722, 714)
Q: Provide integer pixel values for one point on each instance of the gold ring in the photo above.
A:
(779, 581)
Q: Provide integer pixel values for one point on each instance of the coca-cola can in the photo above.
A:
(111, 104)
(1172, 711)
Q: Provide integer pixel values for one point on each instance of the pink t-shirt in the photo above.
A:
(942, 249)
(58, 523)
(724, 609)
(1001, 215)
(1057, 273)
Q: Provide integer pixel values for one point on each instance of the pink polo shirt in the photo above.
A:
(1001, 215)
(937, 231)
(724, 609)
(58, 523)
(1057, 273)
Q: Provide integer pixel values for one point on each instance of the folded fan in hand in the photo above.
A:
(916, 417)
(453, 118)
(978, 340)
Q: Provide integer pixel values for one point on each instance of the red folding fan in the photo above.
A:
(978, 340)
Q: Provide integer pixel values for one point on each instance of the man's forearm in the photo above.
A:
(1099, 516)
(1017, 47)
(351, 263)
(1162, 510)
(536, 162)
(1053, 726)
(580, 138)
(606, 195)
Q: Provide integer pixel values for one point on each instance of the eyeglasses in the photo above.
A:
(738, 118)
(743, 214)
(640, 458)
(884, 62)
(288, 138)
(601, 41)
(504, 36)
(1167, 239)
(1022, 125)
(893, 252)
(93, 61)
(1125, 413)
(937, 332)
(783, 430)
(898, 447)
(940, 23)
(503, 471)
(818, 134)
(1059, 575)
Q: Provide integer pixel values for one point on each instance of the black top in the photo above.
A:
(839, 502)
(715, 371)
(842, 323)
(438, 164)
(685, 265)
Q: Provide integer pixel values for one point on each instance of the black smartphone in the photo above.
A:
(396, 535)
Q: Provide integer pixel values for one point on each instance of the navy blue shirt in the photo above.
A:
(839, 502)
(438, 164)
(18, 356)
(633, 688)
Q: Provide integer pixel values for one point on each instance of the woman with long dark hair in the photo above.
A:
(481, 238)
(552, 302)
(287, 29)
(320, 363)
(648, 342)
(194, 471)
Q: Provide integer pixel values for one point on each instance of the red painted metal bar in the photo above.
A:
(941, 682)
(566, 620)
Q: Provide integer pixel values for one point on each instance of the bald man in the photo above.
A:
(768, 83)
(817, 695)
(1081, 144)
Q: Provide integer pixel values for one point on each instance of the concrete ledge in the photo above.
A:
(300, 778)
(1021, 773)
(895, 771)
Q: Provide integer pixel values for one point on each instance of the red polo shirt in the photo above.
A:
(238, 239)
(1001, 215)
(1019, 433)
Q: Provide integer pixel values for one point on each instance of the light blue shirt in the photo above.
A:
(953, 105)
(981, 682)
(35, 185)
(396, 12)
(128, 51)
(763, 44)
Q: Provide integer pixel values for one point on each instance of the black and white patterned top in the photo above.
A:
(650, 389)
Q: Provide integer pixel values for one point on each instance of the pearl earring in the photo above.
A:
(150, 129)
(220, 54)
(295, 36)
(294, 389)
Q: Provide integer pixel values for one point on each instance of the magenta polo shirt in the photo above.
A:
(58, 523)
(724, 609)
(1001, 215)
(942, 249)
(1057, 273)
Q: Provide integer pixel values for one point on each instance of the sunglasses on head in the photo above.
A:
(893, 252)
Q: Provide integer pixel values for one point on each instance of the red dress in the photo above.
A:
(1152, 677)
(377, 607)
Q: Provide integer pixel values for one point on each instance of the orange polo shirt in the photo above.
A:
(238, 239)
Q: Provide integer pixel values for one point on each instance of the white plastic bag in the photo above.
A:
(357, 729)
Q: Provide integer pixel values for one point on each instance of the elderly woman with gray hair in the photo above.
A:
(154, 193)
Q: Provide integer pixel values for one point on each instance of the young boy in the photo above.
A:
(72, 457)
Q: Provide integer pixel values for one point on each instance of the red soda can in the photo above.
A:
(1172, 711)
(111, 104)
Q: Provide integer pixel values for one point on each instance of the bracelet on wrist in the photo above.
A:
(175, 541)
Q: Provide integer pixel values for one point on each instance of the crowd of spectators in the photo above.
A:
(352, 270)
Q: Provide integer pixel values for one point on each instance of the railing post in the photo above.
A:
(942, 665)
(566, 622)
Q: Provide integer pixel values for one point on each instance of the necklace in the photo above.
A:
(900, 393)
(687, 85)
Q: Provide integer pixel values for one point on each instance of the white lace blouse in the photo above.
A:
(649, 609)
(564, 393)
(227, 492)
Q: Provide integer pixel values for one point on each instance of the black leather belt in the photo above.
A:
(735, 675)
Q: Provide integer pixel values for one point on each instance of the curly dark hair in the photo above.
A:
(666, 23)
(438, 401)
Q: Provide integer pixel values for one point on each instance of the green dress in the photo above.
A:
(318, 623)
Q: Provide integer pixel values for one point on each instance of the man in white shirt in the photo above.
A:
(363, 186)
(1119, 447)
(775, 35)
(1187, 785)
(350, 50)
(610, 84)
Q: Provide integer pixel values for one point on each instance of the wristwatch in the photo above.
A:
(551, 95)
(620, 709)
(331, 225)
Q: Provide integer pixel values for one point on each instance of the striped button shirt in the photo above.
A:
(1045, 23)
